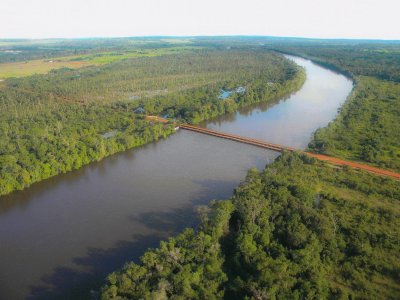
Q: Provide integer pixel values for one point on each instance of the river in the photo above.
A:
(60, 237)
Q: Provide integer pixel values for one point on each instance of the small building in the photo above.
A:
(139, 110)
(224, 94)
(240, 90)
(109, 134)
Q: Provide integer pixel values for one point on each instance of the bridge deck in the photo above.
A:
(280, 148)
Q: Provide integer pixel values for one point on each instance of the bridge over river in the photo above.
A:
(280, 148)
(62, 236)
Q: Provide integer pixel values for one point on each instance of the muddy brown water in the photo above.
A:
(62, 236)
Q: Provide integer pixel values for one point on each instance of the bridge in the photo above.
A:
(280, 148)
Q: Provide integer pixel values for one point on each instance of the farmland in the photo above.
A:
(43, 66)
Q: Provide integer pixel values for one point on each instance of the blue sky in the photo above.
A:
(109, 18)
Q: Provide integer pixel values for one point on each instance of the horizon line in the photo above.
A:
(201, 36)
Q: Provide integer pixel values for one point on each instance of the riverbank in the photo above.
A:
(281, 148)
(297, 229)
(55, 134)
(314, 224)
(130, 201)
(367, 128)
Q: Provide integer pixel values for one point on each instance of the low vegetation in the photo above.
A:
(367, 128)
(298, 230)
(14, 50)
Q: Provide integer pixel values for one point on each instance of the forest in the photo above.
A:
(57, 122)
(300, 229)
(367, 127)
(380, 59)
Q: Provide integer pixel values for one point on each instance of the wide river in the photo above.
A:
(60, 237)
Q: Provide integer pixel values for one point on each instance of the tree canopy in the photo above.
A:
(298, 230)
(60, 121)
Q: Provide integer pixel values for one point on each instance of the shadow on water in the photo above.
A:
(70, 283)
(21, 199)
(59, 247)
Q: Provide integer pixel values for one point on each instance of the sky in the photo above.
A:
(372, 19)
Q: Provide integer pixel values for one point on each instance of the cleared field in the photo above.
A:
(40, 66)
(112, 56)
(26, 68)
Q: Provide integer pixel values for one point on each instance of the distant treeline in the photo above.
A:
(367, 128)
(13, 50)
(380, 60)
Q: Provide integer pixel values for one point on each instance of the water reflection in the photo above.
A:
(292, 121)
(110, 211)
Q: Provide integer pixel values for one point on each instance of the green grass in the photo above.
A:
(37, 66)
(113, 56)
(43, 66)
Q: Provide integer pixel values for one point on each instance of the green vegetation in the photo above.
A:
(65, 137)
(298, 230)
(54, 123)
(368, 58)
(27, 68)
(14, 50)
(189, 266)
(40, 66)
(367, 128)
(113, 56)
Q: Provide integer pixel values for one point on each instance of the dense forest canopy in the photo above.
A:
(358, 57)
(300, 229)
(367, 127)
(149, 76)
(381, 60)
(57, 122)
(297, 230)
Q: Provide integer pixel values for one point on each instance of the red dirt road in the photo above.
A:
(156, 119)
(276, 147)
(341, 162)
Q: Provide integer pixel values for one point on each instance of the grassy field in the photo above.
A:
(41, 66)
(113, 56)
